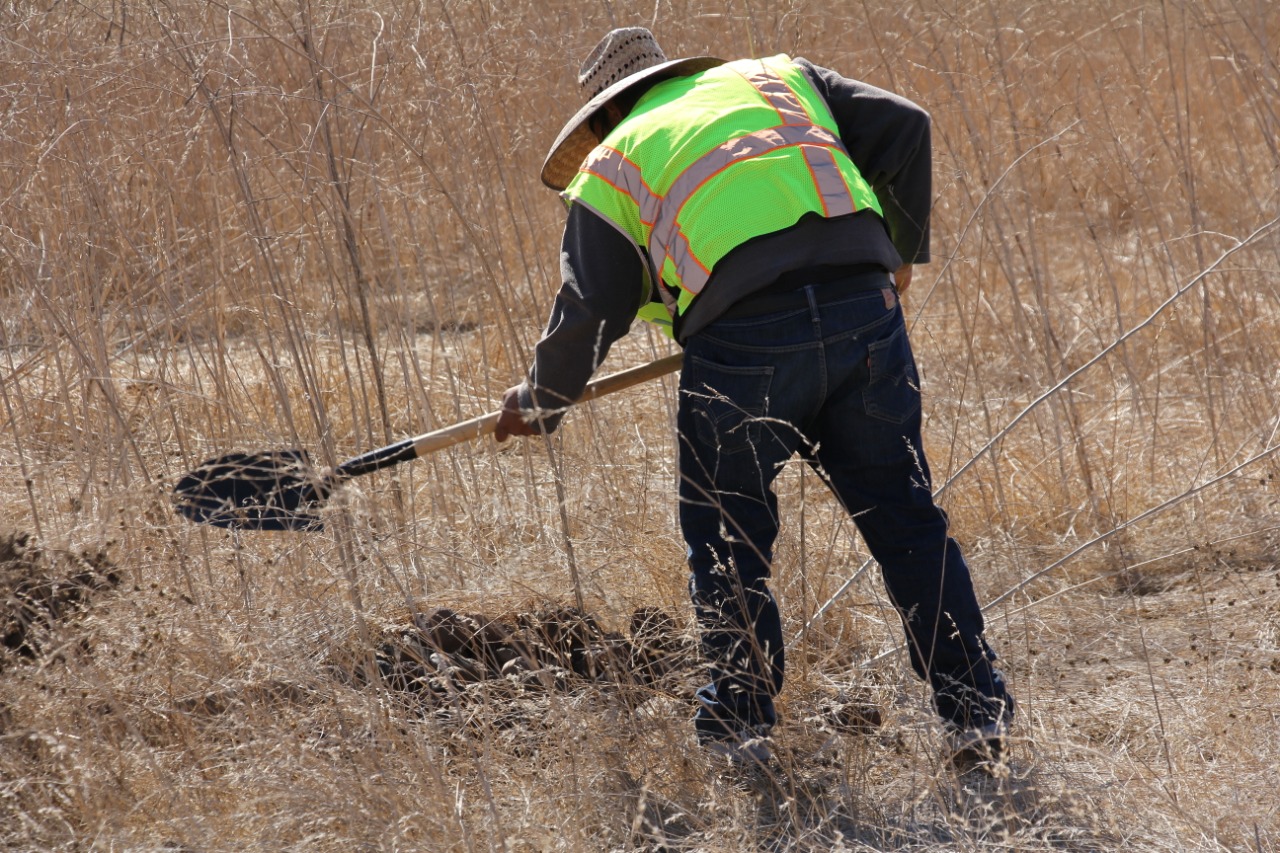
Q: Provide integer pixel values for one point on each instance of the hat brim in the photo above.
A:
(576, 139)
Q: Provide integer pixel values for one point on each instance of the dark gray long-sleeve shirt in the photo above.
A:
(604, 281)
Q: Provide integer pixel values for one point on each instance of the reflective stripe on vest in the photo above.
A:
(611, 166)
(836, 197)
(659, 214)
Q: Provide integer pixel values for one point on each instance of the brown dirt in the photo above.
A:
(42, 589)
(437, 652)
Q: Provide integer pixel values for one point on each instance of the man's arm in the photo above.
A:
(603, 285)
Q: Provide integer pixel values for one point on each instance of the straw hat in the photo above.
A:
(623, 59)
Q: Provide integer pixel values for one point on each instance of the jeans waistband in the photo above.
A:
(789, 292)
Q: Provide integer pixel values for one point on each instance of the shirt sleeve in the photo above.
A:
(889, 139)
(603, 285)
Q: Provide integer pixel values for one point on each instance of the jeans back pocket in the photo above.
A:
(893, 389)
(727, 403)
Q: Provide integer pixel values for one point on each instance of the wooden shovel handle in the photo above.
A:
(484, 425)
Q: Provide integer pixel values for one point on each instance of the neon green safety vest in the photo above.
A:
(704, 163)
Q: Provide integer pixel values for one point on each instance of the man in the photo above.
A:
(767, 213)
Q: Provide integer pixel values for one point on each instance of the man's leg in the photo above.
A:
(729, 458)
(869, 448)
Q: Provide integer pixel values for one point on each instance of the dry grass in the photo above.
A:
(246, 226)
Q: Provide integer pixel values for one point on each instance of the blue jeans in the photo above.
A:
(833, 379)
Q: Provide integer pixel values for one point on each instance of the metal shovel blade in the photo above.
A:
(272, 490)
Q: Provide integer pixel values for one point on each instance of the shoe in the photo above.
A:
(979, 748)
(747, 749)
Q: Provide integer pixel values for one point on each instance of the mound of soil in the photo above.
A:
(439, 652)
(41, 589)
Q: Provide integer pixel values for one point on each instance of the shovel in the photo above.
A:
(282, 490)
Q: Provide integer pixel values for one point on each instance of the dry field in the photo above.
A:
(247, 225)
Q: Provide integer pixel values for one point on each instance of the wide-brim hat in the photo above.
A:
(624, 59)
